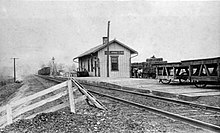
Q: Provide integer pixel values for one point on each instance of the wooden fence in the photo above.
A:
(8, 113)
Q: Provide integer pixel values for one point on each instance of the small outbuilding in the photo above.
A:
(94, 61)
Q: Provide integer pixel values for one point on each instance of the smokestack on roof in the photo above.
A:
(105, 40)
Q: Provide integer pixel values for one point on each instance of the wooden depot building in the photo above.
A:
(95, 60)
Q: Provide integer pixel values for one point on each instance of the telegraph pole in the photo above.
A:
(14, 68)
(108, 49)
(52, 69)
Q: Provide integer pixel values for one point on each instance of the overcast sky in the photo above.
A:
(35, 31)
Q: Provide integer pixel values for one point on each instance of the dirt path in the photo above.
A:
(30, 86)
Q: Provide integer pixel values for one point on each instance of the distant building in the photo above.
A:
(95, 60)
(154, 60)
(148, 70)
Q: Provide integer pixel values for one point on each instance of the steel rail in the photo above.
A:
(49, 78)
(184, 119)
(207, 107)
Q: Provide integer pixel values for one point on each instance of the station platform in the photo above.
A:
(152, 86)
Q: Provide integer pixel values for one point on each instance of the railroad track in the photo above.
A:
(203, 116)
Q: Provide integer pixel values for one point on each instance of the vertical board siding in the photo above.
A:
(123, 62)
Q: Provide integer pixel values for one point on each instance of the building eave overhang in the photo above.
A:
(99, 47)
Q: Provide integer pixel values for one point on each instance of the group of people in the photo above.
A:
(137, 73)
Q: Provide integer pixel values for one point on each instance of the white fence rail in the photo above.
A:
(8, 113)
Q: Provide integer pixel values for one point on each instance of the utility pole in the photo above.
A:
(14, 68)
(53, 69)
(108, 49)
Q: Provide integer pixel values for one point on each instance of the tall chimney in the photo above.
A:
(105, 40)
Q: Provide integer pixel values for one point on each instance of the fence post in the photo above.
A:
(9, 113)
(71, 97)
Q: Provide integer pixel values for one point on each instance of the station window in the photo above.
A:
(114, 63)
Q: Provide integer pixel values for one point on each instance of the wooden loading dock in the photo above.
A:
(200, 72)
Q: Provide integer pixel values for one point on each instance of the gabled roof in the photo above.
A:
(99, 47)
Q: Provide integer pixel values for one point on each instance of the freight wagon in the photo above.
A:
(44, 71)
(171, 72)
(204, 71)
(200, 72)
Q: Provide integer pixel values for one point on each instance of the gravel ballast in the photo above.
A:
(119, 118)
